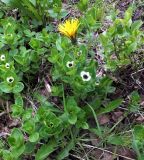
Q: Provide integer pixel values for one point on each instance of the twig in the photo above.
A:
(2, 113)
(4, 134)
(33, 105)
(137, 81)
(104, 150)
(8, 110)
(77, 156)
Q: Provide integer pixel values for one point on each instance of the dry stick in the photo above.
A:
(2, 113)
(32, 104)
(104, 150)
(8, 110)
(88, 153)
(141, 114)
(77, 156)
(136, 81)
(4, 134)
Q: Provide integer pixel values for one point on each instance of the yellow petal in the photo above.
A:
(69, 28)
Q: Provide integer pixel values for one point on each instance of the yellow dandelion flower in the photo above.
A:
(69, 28)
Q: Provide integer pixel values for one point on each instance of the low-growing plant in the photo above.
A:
(76, 93)
(42, 11)
(121, 41)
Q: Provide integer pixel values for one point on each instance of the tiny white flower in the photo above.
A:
(10, 79)
(70, 64)
(2, 57)
(7, 65)
(85, 76)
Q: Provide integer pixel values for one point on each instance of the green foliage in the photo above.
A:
(121, 41)
(31, 51)
(138, 141)
(38, 10)
(134, 104)
(45, 150)
(111, 106)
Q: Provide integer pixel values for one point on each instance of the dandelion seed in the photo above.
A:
(85, 76)
(10, 79)
(69, 28)
(70, 64)
(2, 57)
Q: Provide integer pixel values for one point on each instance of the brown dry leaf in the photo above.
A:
(13, 123)
(101, 155)
(96, 153)
(117, 115)
(126, 153)
(103, 119)
(140, 119)
(107, 156)
(94, 139)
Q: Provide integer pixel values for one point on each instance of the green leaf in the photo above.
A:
(5, 87)
(111, 106)
(83, 5)
(139, 132)
(34, 137)
(16, 138)
(26, 7)
(18, 99)
(134, 101)
(17, 151)
(6, 1)
(58, 44)
(18, 87)
(29, 126)
(7, 155)
(29, 147)
(52, 13)
(128, 14)
(72, 119)
(85, 125)
(65, 152)
(45, 150)
(17, 110)
(35, 43)
(27, 114)
(1, 14)
(136, 25)
(116, 140)
(132, 47)
(72, 109)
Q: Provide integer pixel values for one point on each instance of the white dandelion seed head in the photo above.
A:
(2, 57)
(70, 64)
(10, 79)
(7, 65)
(85, 76)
